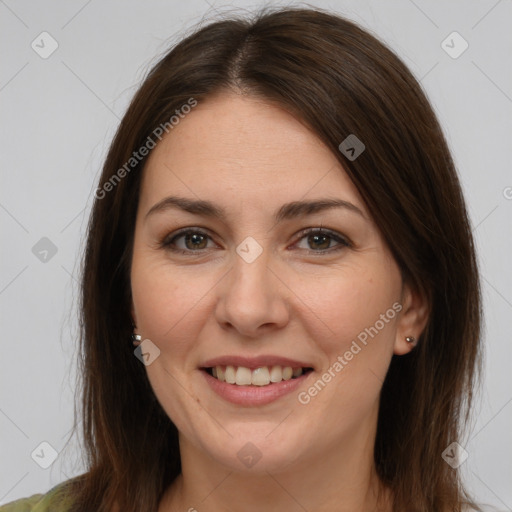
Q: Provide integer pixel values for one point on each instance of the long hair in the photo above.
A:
(339, 80)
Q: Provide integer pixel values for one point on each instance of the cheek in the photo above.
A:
(169, 303)
(355, 330)
(168, 307)
(354, 326)
(155, 297)
(346, 303)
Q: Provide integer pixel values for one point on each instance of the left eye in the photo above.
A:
(196, 241)
(322, 239)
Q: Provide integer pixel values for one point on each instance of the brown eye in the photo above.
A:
(319, 241)
(193, 241)
(322, 241)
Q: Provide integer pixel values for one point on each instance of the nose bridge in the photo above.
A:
(250, 277)
(251, 296)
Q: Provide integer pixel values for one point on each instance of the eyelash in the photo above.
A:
(167, 243)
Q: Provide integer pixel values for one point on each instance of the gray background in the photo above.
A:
(58, 116)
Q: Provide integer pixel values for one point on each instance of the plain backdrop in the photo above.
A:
(58, 114)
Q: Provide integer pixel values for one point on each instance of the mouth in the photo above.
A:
(258, 377)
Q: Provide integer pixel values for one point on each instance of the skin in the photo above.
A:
(300, 298)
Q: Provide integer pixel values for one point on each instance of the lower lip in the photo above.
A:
(254, 395)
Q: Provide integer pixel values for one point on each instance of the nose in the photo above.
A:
(252, 298)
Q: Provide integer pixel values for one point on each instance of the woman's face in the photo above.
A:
(251, 288)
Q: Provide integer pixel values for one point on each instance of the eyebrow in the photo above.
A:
(285, 212)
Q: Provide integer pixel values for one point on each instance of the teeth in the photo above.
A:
(230, 375)
(276, 374)
(297, 372)
(242, 376)
(287, 373)
(260, 376)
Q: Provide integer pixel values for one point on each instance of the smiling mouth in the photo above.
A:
(262, 376)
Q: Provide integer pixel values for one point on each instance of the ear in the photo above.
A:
(413, 318)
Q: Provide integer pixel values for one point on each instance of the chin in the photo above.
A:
(256, 450)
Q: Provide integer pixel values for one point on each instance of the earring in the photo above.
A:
(411, 340)
(136, 339)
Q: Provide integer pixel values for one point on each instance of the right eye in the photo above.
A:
(193, 241)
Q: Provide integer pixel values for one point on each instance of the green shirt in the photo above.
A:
(49, 502)
(37, 503)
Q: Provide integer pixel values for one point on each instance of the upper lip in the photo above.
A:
(254, 362)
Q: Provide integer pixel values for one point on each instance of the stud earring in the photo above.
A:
(411, 340)
(136, 339)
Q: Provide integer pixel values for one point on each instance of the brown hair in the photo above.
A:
(339, 80)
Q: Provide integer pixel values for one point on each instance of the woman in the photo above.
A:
(280, 231)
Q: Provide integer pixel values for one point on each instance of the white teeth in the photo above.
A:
(260, 376)
(276, 374)
(242, 376)
(230, 375)
(287, 372)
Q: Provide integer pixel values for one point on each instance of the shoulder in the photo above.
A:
(23, 504)
(50, 501)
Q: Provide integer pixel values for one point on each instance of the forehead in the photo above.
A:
(241, 149)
